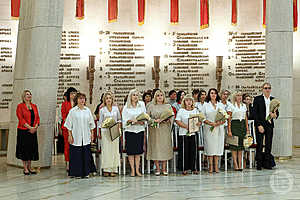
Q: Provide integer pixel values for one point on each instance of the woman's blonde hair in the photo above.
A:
(155, 97)
(131, 92)
(104, 98)
(238, 93)
(24, 94)
(186, 97)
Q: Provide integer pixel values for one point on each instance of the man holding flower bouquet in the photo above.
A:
(265, 109)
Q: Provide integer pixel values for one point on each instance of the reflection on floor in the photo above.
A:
(280, 183)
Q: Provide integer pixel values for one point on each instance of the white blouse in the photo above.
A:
(239, 113)
(132, 113)
(183, 115)
(80, 122)
(199, 106)
(228, 106)
(104, 114)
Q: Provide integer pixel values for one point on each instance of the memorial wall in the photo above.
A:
(97, 56)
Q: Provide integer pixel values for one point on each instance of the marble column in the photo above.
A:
(36, 69)
(279, 70)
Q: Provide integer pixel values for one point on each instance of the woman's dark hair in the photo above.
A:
(171, 92)
(207, 99)
(68, 92)
(200, 93)
(195, 91)
(101, 98)
(145, 94)
(78, 95)
(153, 92)
(244, 96)
(178, 96)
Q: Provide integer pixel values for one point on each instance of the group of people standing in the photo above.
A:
(78, 125)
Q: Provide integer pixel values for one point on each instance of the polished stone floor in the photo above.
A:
(280, 183)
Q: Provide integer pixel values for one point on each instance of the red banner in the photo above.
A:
(204, 14)
(141, 11)
(15, 9)
(174, 15)
(112, 10)
(234, 12)
(295, 15)
(264, 13)
(79, 9)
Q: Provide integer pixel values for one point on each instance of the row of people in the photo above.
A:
(78, 125)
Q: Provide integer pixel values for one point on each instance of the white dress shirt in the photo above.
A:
(80, 122)
(183, 115)
(267, 103)
(131, 114)
(104, 114)
(239, 113)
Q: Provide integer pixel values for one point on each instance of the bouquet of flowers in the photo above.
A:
(141, 117)
(221, 116)
(164, 116)
(108, 123)
(274, 105)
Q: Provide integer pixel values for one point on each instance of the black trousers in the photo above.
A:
(264, 159)
(187, 151)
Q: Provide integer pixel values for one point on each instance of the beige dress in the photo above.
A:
(159, 139)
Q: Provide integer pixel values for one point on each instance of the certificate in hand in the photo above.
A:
(192, 124)
(114, 132)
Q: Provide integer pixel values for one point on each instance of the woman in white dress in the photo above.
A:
(213, 140)
(134, 133)
(110, 160)
(80, 124)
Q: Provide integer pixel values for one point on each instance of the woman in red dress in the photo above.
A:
(27, 143)
(65, 108)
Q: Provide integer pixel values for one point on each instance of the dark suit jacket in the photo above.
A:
(259, 112)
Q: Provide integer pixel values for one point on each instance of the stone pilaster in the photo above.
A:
(279, 70)
(36, 69)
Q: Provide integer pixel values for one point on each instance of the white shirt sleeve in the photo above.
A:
(179, 115)
(125, 116)
(69, 121)
(91, 120)
(101, 117)
(119, 119)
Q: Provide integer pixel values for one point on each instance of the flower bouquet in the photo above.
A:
(164, 116)
(274, 105)
(221, 116)
(108, 123)
(141, 117)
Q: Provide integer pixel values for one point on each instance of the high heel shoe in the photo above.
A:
(31, 172)
(26, 173)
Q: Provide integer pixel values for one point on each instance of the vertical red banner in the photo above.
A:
(141, 11)
(174, 15)
(264, 12)
(234, 12)
(295, 15)
(204, 14)
(79, 9)
(15, 9)
(112, 10)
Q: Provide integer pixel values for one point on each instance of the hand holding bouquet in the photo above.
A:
(221, 116)
(164, 116)
(140, 118)
(274, 105)
(108, 123)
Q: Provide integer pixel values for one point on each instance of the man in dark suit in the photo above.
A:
(264, 128)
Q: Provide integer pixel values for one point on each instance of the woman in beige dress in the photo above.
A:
(159, 139)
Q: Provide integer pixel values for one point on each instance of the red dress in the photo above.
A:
(65, 108)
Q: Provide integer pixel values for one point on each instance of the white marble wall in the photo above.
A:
(279, 70)
(36, 69)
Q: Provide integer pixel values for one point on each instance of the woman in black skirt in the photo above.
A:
(80, 124)
(27, 143)
(238, 127)
(134, 133)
